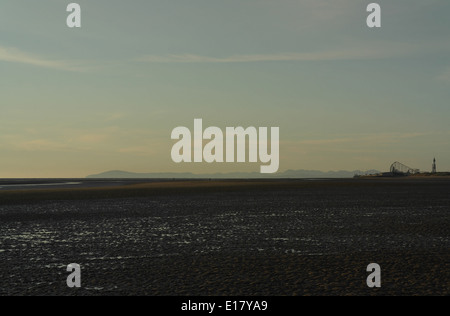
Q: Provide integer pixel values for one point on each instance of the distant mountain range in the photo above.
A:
(116, 174)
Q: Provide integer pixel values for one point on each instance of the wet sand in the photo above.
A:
(259, 237)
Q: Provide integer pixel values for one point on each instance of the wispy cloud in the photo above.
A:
(14, 55)
(65, 140)
(41, 145)
(187, 58)
(343, 54)
(384, 138)
(348, 51)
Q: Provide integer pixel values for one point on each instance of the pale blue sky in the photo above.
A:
(107, 96)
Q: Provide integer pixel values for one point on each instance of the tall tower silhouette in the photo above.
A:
(434, 166)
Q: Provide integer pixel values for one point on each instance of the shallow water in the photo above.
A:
(52, 234)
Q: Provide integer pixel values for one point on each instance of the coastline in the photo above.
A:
(122, 188)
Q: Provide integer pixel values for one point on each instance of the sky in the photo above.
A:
(107, 96)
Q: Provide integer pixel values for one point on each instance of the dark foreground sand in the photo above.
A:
(229, 238)
(260, 275)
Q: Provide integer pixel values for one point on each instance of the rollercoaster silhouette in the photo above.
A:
(399, 168)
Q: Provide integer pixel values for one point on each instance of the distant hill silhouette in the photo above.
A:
(117, 174)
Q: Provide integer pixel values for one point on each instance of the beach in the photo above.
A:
(226, 237)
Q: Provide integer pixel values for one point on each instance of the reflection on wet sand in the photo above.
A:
(166, 234)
